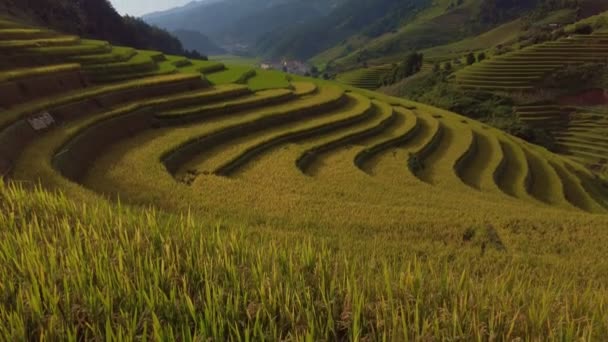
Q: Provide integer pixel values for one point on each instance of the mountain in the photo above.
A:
(181, 9)
(358, 32)
(194, 40)
(240, 23)
(93, 19)
(354, 17)
(364, 30)
(250, 27)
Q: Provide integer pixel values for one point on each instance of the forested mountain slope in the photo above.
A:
(93, 19)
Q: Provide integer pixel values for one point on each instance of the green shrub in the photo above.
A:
(470, 58)
(536, 136)
(408, 67)
(536, 35)
(436, 91)
(501, 49)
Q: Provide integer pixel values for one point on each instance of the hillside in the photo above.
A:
(545, 82)
(386, 30)
(360, 33)
(350, 18)
(94, 19)
(349, 34)
(152, 196)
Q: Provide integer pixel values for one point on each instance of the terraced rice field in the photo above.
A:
(580, 133)
(314, 141)
(215, 137)
(234, 74)
(366, 78)
(340, 167)
(524, 70)
(100, 62)
(427, 67)
(551, 117)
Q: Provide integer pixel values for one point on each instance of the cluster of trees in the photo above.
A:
(194, 54)
(455, 4)
(410, 66)
(327, 74)
(537, 35)
(436, 89)
(145, 36)
(493, 109)
(582, 28)
(196, 41)
(471, 59)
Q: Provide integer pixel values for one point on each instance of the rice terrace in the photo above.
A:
(396, 180)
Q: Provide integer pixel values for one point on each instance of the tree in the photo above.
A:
(408, 67)
(411, 65)
(583, 29)
(194, 54)
(481, 56)
(470, 59)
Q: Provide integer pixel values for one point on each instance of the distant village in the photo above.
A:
(290, 66)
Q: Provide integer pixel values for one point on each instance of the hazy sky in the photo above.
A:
(139, 7)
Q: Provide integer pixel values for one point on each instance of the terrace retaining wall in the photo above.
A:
(16, 136)
(76, 156)
(28, 89)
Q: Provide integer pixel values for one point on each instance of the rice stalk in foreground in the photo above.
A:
(71, 271)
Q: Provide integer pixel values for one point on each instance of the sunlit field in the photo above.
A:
(158, 197)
